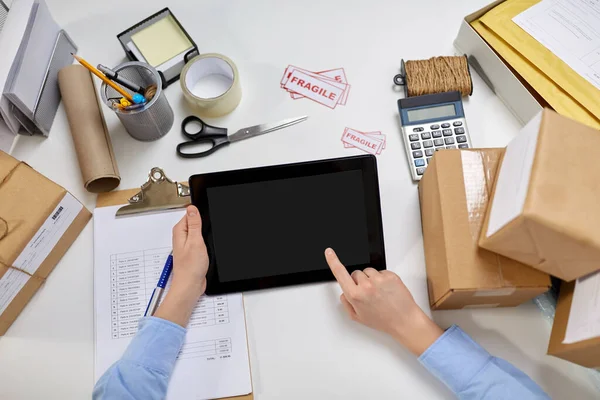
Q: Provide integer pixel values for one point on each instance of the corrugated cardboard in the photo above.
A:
(557, 229)
(27, 200)
(586, 352)
(454, 194)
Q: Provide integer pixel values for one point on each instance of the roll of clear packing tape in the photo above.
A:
(211, 83)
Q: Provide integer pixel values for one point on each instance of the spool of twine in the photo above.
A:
(438, 75)
(150, 92)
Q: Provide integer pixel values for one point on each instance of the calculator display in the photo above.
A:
(420, 114)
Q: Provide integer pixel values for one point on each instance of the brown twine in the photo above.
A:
(4, 232)
(12, 171)
(438, 75)
(150, 92)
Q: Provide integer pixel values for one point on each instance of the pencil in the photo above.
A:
(100, 75)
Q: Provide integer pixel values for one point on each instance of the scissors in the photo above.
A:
(218, 138)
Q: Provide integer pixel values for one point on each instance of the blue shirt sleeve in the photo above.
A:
(146, 366)
(472, 373)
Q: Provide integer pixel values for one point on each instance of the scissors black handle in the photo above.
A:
(205, 133)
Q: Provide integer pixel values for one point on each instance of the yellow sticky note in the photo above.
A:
(161, 41)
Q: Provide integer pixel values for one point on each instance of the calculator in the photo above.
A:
(431, 123)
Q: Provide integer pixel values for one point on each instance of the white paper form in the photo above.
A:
(584, 318)
(571, 30)
(129, 254)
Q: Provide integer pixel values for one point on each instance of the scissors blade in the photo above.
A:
(251, 131)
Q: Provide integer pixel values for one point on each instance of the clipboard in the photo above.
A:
(159, 193)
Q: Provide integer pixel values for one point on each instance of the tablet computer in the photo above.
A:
(269, 226)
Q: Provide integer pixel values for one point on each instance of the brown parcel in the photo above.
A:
(544, 209)
(454, 193)
(586, 352)
(34, 233)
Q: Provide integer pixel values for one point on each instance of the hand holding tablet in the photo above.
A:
(254, 218)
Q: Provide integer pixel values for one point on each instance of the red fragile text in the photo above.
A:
(313, 88)
(362, 141)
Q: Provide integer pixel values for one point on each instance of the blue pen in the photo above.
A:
(160, 287)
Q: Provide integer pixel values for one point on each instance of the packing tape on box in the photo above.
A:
(478, 169)
(211, 83)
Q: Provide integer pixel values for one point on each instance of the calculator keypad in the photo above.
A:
(425, 140)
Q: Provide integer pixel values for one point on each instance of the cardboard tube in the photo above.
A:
(92, 142)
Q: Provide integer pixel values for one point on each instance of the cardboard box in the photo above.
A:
(514, 93)
(39, 220)
(586, 352)
(544, 209)
(454, 194)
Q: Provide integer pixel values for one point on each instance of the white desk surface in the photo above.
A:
(302, 345)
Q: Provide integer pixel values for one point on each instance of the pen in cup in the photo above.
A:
(121, 79)
(136, 98)
(160, 286)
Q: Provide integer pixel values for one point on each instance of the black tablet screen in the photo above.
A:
(283, 226)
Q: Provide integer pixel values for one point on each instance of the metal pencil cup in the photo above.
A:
(153, 120)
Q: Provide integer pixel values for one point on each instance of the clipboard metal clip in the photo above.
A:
(159, 193)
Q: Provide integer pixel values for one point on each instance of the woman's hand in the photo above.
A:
(380, 300)
(190, 264)
(190, 258)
